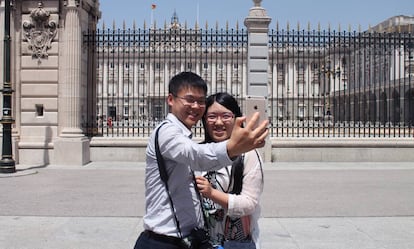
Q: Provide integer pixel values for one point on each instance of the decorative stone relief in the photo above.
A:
(39, 32)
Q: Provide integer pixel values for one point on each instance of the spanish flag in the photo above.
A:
(153, 6)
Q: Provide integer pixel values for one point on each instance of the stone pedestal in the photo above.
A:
(71, 151)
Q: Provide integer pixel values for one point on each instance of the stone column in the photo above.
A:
(71, 147)
(257, 24)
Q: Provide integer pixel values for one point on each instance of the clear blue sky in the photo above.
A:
(347, 13)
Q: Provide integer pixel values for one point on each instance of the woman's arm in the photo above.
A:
(246, 202)
(213, 194)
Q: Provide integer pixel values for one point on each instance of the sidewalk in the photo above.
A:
(304, 206)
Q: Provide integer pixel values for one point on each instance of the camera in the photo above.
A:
(198, 239)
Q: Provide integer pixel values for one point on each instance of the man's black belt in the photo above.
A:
(162, 238)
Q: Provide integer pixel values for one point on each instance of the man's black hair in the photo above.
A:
(185, 80)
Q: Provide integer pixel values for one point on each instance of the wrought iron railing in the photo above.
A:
(321, 83)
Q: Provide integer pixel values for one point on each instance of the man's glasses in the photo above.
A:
(226, 117)
(190, 100)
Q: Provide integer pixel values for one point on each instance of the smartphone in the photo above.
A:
(256, 104)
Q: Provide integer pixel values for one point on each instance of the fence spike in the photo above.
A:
(113, 24)
(123, 25)
(134, 24)
(227, 25)
(277, 25)
(339, 27)
(287, 26)
(319, 26)
(298, 26)
(145, 24)
(103, 25)
(359, 28)
(217, 25)
(237, 25)
(309, 26)
(206, 25)
(349, 28)
(165, 24)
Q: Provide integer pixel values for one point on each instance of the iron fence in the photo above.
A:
(321, 83)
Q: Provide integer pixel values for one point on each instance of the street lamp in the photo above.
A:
(7, 164)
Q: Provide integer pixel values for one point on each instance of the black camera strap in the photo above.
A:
(199, 199)
(164, 178)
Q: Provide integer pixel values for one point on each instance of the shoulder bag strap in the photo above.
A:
(164, 178)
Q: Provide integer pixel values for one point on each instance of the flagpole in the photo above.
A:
(153, 6)
(198, 13)
(152, 18)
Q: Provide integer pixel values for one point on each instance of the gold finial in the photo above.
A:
(349, 27)
(309, 26)
(287, 26)
(165, 24)
(206, 25)
(185, 24)
(145, 24)
(227, 25)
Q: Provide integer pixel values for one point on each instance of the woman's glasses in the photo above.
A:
(226, 117)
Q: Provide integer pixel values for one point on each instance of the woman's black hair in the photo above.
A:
(225, 99)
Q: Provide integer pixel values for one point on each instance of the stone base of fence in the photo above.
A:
(282, 149)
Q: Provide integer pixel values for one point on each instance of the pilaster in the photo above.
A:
(72, 146)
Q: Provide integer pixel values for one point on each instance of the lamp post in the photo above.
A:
(7, 164)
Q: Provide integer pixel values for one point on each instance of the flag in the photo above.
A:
(153, 6)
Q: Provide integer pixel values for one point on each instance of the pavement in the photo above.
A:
(304, 206)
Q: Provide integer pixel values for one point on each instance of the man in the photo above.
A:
(186, 100)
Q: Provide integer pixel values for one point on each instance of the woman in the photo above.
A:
(218, 187)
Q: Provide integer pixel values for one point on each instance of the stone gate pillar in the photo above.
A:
(257, 24)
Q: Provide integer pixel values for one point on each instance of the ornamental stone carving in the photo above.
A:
(39, 32)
